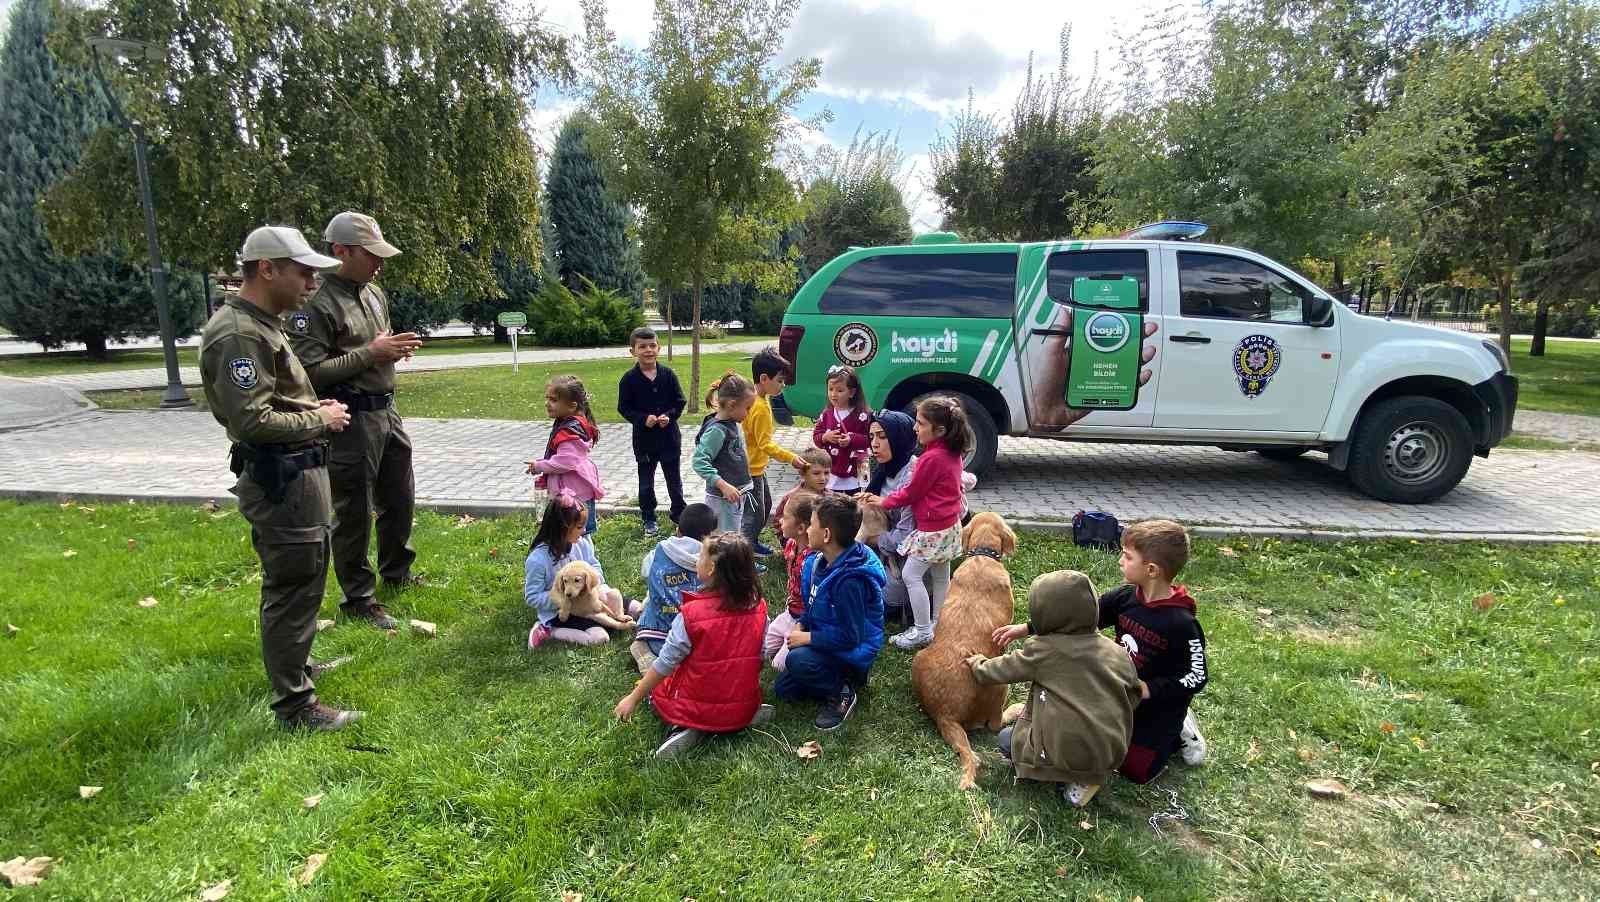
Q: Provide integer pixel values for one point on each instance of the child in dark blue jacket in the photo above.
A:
(841, 631)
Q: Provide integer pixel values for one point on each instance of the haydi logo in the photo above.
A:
(1107, 332)
(923, 345)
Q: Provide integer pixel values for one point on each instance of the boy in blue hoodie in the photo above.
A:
(669, 571)
(839, 636)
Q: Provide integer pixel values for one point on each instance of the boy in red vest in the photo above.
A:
(707, 678)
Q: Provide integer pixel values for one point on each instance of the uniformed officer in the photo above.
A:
(344, 340)
(258, 391)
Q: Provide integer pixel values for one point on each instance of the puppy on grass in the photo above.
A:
(577, 594)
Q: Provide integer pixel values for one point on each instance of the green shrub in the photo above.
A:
(412, 311)
(592, 317)
(766, 314)
(1568, 319)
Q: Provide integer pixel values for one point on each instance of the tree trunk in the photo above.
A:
(667, 294)
(694, 347)
(1541, 323)
(1338, 281)
(1388, 292)
(1503, 288)
(94, 347)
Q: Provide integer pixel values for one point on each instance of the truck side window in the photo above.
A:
(1221, 287)
(1068, 265)
(964, 285)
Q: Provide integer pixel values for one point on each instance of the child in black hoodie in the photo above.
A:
(1156, 623)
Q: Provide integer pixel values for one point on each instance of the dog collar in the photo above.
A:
(982, 551)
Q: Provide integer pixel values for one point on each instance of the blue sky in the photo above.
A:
(900, 67)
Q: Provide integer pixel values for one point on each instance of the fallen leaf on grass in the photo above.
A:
(570, 896)
(425, 628)
(312, 801)
(1484, 602)
(211, 507)
(87, 510)
(391, 633)
(308, 871)
(1419, 743)
(465, 520)
(132, 544)
(809, 750)
(1559, 601)
(1386, 727)
(1265, 612)
(1061, 871)
(812, 840)
(1305, 754)
(323, 624)
(1225, 551)
(1085, 825)
(89, 792)
(1327, 789)
(12, 629)
(69, 553)
(218, 892)
(1253, 753)
(21, 871)
(494, 552)
(148, 602)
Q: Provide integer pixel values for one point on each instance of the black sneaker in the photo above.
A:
(651, 528)
(315, 669)
(834, 711)
(371, 612)
(321, 718)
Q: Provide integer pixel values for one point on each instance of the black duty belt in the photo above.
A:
(273, 467)
(360, 400)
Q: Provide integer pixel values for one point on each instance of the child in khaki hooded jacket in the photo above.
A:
(1075, 726)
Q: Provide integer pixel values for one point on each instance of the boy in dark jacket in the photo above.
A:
(1155, 621)
(841, 632)
(1075, 725)
(649, 397)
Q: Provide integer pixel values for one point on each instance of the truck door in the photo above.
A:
(1238, 349)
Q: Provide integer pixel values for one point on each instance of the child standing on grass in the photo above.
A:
(813, 481)
(707, 678)
(669, 571)
(560, 540)
(936, 497)
(841, 430)
(1074, 727)
(1155, 621)
(649, 397)
(768, 369)
(720, 457)
(833, 648)
(565, 466)
(796, 551)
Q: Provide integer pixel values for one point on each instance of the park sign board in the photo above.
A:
(508, 320)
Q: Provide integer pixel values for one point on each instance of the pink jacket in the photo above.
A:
(570, 468)
(934, 493)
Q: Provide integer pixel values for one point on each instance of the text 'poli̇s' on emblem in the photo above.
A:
(855, 344)
(243, 370)
(1256, 359)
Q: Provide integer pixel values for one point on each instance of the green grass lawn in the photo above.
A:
(483, 771)
(492, 392)
(1565, 380)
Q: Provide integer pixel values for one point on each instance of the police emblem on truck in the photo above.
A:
(1256, 359)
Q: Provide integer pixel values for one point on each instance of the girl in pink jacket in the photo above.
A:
(565, 465)
(936, 496)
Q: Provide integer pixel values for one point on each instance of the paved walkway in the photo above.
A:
(157, 378)
(476, 465)
(24, 403)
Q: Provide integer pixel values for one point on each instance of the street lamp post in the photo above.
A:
(174, 396)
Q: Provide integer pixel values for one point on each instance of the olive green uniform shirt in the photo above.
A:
(332, 333)
(254, 384)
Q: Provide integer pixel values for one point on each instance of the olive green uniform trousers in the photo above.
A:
(372, 476)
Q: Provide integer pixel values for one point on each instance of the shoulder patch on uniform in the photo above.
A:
(243, 370)
(299, 321)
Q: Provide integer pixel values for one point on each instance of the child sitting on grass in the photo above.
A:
(707, 678)
(839, 636)
(560, 540)
(1155, 622)
(669, 570)
(1074, 727)
(796, 551)
(813, 481)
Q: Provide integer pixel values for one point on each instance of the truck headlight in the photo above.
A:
(1499, 354)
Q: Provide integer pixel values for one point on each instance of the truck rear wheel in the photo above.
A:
(1410, 449)
(983, 439)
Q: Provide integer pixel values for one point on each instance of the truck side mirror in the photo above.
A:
(1319, 311)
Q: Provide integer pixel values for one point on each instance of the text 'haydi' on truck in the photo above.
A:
(1151, 337)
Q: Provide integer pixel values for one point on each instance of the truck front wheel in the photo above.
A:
(1410, 449)
(983, 439)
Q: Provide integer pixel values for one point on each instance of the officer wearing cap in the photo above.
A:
(344, 340)
(261, 395)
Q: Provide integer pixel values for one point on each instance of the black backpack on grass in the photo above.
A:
(1096, 529)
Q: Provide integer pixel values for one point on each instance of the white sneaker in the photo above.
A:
(679, 741)
(1190, 743)
(1079, 794)
(764, 715)
(913, 638)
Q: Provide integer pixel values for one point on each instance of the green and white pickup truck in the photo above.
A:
(1237, 351)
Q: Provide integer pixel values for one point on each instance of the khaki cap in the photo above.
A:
(358, 230)
(282, 242)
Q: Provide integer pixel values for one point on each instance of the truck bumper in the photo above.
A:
(1499, 398)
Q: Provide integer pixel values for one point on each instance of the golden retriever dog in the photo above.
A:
(979, 603)
(874, 523)
(577, 594)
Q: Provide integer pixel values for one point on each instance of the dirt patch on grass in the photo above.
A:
(1339, 637)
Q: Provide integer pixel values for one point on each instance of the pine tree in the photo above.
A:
(589, 222)
(47, 112)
